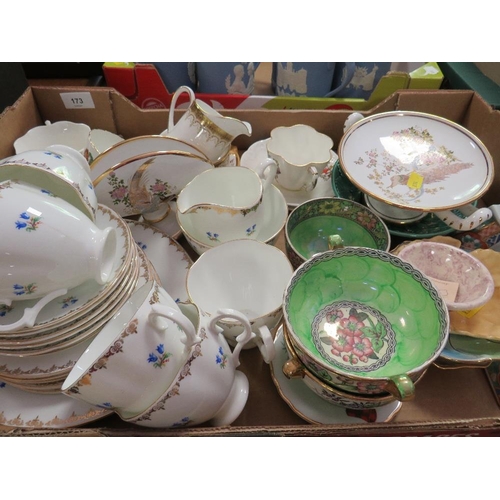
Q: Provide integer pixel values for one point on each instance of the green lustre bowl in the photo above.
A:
(365, 321)
(324, 223)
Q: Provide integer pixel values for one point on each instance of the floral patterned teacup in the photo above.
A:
(312, 226)
(208, 388)
(47, 247)
(136, 355)
(59, 169)
(365, 321)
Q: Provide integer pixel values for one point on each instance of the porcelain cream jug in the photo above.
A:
(207, 129)
(225, 203)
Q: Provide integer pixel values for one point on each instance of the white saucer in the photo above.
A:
(257, 153)
(27, 410)
(313, 409)
(169, 259)
(169, 224)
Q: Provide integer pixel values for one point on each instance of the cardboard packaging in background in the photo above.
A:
(447, 402)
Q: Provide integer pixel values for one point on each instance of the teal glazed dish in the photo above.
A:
(365, 321)
(322, 223)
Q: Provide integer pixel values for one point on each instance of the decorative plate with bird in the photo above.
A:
(416, 160)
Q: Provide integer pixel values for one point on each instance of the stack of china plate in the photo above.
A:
(38, 358)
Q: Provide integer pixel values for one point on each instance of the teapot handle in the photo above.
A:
(178, 92)
(474, 217)
(158, 310)
(30, 313)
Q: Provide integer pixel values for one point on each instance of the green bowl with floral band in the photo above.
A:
(322, 224)
(365, 321)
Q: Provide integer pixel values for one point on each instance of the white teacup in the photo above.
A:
(136, 355)
(204, 127)
(59, 169)
(300, 153)
(47, 247)
(247, 275)
(224, 204)
(207, 388)
(70, 134)
(100, 141)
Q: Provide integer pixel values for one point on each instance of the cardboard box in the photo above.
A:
(474, 76)
(142, 84)
(447, 402)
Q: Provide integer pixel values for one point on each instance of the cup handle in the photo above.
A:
(401, 387)
(264, 341)
(267, 171)
(475, 218)
(30, 313)
(312, 184)
(242, 339)
(350, 66)
(178, 92)
(161, 311)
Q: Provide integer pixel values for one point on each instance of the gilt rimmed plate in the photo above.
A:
(257, 153)
(136, 146)
(416, 161)
(313, 409)
(80, 299)
(26, 410)
(163, 173)
(168, 257)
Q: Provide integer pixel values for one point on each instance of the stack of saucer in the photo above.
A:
(38, 358)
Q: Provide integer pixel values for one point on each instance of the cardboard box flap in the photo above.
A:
(90, 105)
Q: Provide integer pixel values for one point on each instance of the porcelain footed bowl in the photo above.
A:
(464, 281)
(365, 321)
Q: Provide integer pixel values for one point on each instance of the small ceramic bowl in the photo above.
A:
(365, 321)
(464, 282)
(276, 211)
(311, 227)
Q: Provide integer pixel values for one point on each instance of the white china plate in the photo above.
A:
(313, 409)
(78, 299)
(415, 160)
(165, 174)
(257, 153)
(52, 364)
(169, 259)
(27, 410)
(169, 224)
